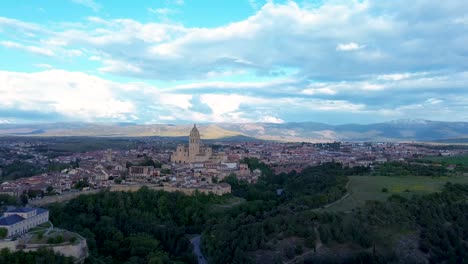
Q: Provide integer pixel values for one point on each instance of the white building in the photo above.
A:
(18, 221)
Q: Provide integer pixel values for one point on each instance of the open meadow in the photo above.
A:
(461, 159)
(365, 188)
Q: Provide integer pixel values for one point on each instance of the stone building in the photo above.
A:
(18, 221)
(244, 170)
(195, 152)
(138, 173)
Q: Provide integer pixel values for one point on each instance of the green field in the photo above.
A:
(463, 159)
(364, 188)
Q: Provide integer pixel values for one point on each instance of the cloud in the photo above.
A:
(72, 94)
(287, 34)
(314, 91)
(44, 66)
(119, 66)
(349, 46)
(62, 95)
(366, 59)
(161, 11)
(272, 119)
(18, 25)
(253, 4)
(88, 3)
(31, 49)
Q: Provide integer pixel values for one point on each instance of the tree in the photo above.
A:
(50, 190)
(24, 199)
(82, 184)
(3, 232)
(6, 199)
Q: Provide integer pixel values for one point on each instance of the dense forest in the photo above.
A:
(141, 227)
(431, 228)
(150, 226)
(277, 220)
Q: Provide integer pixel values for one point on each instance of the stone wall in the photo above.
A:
(132, 188)
(79, 251)
(123, 188)
(60, 198)
(11, 245)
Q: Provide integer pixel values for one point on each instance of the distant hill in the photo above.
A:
(399, 130)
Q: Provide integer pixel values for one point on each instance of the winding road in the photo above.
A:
(196, 242)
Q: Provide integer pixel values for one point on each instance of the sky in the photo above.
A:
(184, 61)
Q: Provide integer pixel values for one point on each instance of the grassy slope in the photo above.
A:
(450, 160)
(364, 188)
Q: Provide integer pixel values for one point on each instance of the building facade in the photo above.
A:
(195, 152)
(19, 221)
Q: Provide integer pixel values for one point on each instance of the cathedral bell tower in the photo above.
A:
(194, 143)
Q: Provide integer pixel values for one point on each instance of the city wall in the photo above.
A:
(59, 198)
(78, 251)
(119, 188)
(11, 245)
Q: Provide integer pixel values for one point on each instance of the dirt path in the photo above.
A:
(318, 245)
(348, 193)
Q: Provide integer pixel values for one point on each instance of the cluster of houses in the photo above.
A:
(195, 166)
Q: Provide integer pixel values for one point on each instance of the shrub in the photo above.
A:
(3, 232)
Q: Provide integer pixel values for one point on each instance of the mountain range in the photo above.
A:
(398, 130)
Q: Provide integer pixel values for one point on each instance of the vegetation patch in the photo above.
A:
(369, 188)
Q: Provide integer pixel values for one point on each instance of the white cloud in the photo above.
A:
(434, 101)
(372, 87)
(232, 85)
(399, 76)
(4, 121)
(253, 4)
(461, 20)
(88, 3)
(178, 100)
(314, 91)
(301, 37)
(72, 94)
(74, 53)
(161, 11)
(272, 119)
(222, 104)
(349, 46)
(44, 66)
(19, 25)
(119, 66)
(410, 60)
(32, 49)
(94, 58)
(335, 105)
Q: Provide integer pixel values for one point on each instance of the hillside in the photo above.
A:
(400, 130)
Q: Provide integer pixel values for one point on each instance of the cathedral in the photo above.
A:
(195, 151)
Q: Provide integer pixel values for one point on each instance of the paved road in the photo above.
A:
(196, 241)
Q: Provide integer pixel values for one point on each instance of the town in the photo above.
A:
(29, 170)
